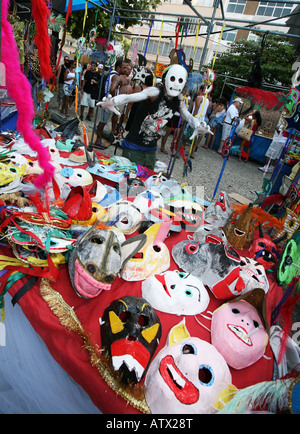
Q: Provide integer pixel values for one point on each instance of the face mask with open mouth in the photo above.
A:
(240, 230)
(210, 234)
(130, 333)
(218, 212)
(238, 333)
(216, 265)
(253, 275)
(97, 258)
(176, 292)
(186, 376)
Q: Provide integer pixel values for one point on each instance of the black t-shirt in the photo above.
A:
(92, 89)
(61, 78)
(150, 118)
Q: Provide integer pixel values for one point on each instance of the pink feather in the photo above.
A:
(19, 90)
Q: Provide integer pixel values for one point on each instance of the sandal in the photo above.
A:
(164, 151)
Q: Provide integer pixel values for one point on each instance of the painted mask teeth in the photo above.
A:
(240, 333)
(177, 379)
(130, 362)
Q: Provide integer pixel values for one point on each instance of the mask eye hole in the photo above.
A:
(91, 268)
(256, 324)
(116, 248)
(180, 80)
(188, 293)
(172, 78)
(143, 320)
(188, 349)
(235, 311)
(157, 249)
(124, 316)
(192, 248)
(109, 279)
(97, 240)
(261, 244)
(206, 375)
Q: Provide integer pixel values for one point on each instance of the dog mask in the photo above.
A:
(97, 258)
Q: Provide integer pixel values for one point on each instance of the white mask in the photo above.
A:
(175, 80)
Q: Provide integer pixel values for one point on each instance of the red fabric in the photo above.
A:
(67, 349)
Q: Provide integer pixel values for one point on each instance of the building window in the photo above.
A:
(229, 36)
(253, 37)
(267, 9)
(236, 6)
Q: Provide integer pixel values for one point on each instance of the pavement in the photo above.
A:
(238, 177)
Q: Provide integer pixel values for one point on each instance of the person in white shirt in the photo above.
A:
(231, 114)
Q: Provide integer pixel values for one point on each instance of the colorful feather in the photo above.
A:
(19, 90)
(41, 14)
(269, 396)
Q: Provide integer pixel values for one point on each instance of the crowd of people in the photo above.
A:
(216, 112)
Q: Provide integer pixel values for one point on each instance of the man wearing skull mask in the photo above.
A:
(158, 105)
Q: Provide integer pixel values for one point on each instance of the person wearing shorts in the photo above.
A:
(274, 150)
(90, 91)
(231, 114)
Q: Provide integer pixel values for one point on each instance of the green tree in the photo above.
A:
(276, 62)
(97, 17)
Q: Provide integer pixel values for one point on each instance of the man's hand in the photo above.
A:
(108, 104)
(202, 129)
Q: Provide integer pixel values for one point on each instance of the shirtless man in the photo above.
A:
(113, 89)
(125, 87)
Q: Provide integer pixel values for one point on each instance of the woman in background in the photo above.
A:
(252, 121)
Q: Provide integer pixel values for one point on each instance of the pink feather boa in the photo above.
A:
(19, 90)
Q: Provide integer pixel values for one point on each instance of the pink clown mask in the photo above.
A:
(186, 376)
(238, 333)
(176, 292)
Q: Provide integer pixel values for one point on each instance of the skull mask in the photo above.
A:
(97, 258)
(175, 80)
(130, 333)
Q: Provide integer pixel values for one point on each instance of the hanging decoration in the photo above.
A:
(19, 89)
(41, 14)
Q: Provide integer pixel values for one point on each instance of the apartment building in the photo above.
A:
(233, 16)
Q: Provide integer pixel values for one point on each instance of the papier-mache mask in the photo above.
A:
(97, 258)
(125, 216)
(152, 258)
(208, 233)
(147, 200)
(239, 230)
(238, 330)
(176, 292)
(130, 333)
(175, 80)
(289, 262)
(216, 265)
(186, 376)
(218, 212)
(264, 250)
(253, 275)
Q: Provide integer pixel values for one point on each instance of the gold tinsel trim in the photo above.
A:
(68, 319)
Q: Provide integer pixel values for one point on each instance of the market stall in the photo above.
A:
(149, 300)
